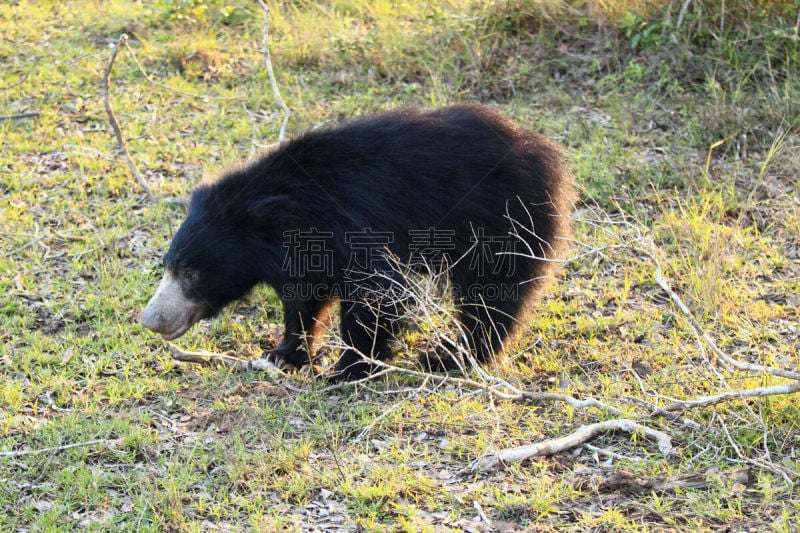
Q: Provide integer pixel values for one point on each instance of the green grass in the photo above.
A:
(690, 132)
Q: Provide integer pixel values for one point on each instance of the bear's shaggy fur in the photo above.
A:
(460, 187)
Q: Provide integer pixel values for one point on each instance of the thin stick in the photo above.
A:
(682, 13)
(626, 482)
(20, 81)
(666, 414)
(494, 389)
(24, 246)
(574, 402)
(375, 421)
(481, 514)
(784, 472)
(268, 63)
(20, 453)
(15, 116)
(115, 125)
(609, 453)
(167, 87)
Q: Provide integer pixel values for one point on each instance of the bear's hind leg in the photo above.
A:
(366, 328)
(489, 322)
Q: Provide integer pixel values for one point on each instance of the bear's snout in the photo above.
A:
(152, 319)
(169, 312)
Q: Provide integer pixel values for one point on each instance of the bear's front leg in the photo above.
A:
(299, 317)
(288, 356)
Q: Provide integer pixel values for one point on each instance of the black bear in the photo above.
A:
(324, 216)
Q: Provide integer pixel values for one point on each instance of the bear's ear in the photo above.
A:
(259, 207)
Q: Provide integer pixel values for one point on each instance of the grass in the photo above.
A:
(690, 130)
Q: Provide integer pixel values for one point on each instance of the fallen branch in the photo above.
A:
(682, 13)
(790, 327)
(648, 248)
(584, 434)
(113, 119)
(499, 388)
(481, 514)
(786, 472)
(24, 246)
(20, 453)
(375, 421)
(626, 482)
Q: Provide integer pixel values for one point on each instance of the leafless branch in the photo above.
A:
(481, 514)
(123, 39)
(682, 13)
(496, 387)
(574, 402)
(375, 421)
(25, 246)
(415, 300)
(646, 246)
(652, 409)
(782, 471)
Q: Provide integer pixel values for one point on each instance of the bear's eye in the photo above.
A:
(188, 274)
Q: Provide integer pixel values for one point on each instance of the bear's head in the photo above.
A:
(211, 262)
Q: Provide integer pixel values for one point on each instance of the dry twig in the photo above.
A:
(610, 454)
(20, 81)
(741, 365)
(268, 63)
(218, 359)
(113, 119)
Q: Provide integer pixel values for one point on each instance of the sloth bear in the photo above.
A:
(327, 215)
